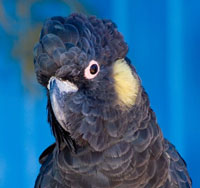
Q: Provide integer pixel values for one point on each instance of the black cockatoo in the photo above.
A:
(106, 133)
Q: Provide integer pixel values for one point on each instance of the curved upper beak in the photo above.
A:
(58, 90)
(62, 85)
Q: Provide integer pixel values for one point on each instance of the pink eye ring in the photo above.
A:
(91, 70)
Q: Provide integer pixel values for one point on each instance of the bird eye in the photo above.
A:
(91, 70)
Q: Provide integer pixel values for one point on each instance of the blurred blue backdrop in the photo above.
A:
(164, 46)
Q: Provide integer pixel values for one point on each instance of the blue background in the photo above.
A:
(164, 46)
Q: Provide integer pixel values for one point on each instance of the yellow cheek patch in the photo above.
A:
(126, 85)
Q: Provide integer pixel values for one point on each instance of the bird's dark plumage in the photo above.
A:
(106, 133)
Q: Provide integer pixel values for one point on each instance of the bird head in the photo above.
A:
(91, 85)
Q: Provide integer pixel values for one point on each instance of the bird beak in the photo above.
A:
(59, 91)
(63, 86)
